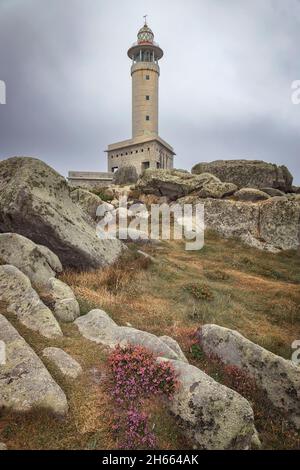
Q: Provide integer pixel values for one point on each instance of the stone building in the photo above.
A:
(145, 149)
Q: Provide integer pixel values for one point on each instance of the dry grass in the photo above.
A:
(256, 293)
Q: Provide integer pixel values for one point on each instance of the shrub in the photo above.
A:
(200, 291)
(217, 275)
(137, 377)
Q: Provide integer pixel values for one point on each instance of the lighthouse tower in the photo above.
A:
(145, 149)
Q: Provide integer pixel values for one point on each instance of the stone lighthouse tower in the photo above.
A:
(145, 149)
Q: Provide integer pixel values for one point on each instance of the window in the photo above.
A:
(147, 77)
(145, 165)
(136, 151)
(126, 153)
(142, 150)
(131, 152)
(147, 97)
(148, 149)
(147, 118)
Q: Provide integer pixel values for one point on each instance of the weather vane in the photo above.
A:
(145, 18)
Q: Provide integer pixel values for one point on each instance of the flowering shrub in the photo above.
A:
(137, 377)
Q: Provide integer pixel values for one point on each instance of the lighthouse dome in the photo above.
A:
(145, 35)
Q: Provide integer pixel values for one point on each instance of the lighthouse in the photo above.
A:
(145, 149)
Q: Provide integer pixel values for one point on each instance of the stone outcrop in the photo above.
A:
(270, 225)
(3, 446)
(278, 377)
(64, 363)
(248, 173)
(175, 184)
(23, 301)
(87, 201)
(97, 326)
(172, 343)
(61, 299)
(36, 261)
(273, 192)
(25, 383)
(125, 175)
(35, 202)
(250, 194)
(213, 416)
(279, 223)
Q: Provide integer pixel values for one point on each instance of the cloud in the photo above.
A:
(225, 85)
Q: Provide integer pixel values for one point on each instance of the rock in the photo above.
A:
(272, 224)
(172, 343)
(97, 326)
(273, 192)
(65, 364)
(278, 377)
(250, 240)
(230, 218)
(35, 202)
(250, 194)
(125, 175)
(61, 299)
(175, 184)
(88, 201)
(248, 173)
(36, 261)
(3, 446)
(166, 183)
(25, 383)
(23, 301)
(217, 189)
(212, 415)
(280, 223)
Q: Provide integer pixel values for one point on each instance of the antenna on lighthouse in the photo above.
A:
(145, 18)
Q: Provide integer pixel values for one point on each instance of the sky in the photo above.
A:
(225, 83)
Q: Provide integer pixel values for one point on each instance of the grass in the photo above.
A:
(227, 283)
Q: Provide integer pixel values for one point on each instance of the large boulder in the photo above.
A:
(280, 223)
(88, 201)
(36, 261)
(213, 416)
(23, 301)
(61, 299)
(278, 377)
(248, 173)
(273, 192)
(251, 194)
(270, 225)
(125, 175)
(170, 183)
(25, 383)
(35, 202)
(65, 364)
(97, 326)
(175, 184)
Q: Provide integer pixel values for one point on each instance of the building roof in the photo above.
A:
(138, 141)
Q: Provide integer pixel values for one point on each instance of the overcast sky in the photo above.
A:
(225, 84)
